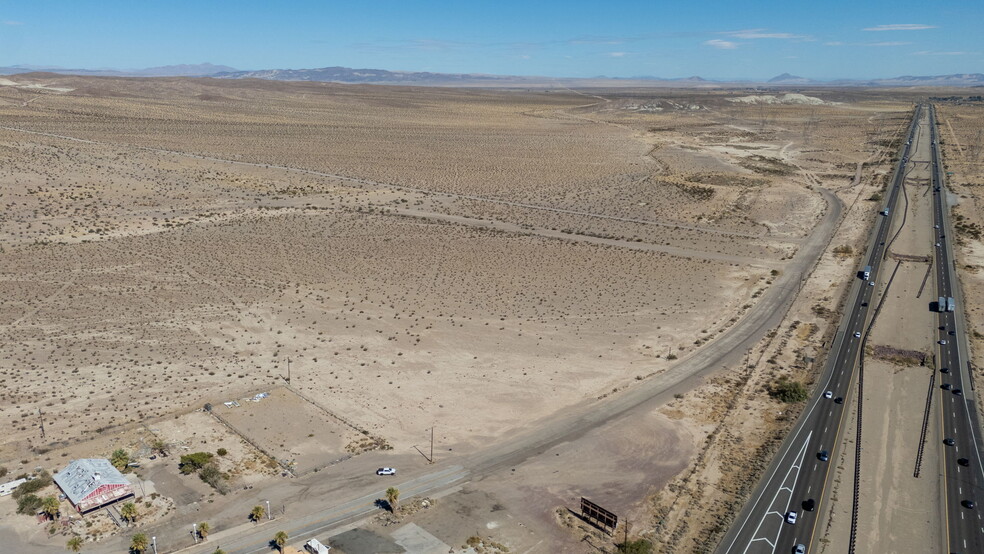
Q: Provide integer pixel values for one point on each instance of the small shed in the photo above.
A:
(91, 483)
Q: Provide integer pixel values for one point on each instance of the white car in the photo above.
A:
(871, 283)
(800, 549)
(937, 245)
(943, 341)
(791, 518)
(828, 394)
(385, 471)
(857, 334)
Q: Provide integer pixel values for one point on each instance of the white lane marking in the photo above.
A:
(800, 456)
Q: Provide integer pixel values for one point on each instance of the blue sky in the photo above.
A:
(735, 39)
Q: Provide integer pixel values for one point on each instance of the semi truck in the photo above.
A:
(951, 304)
(866, 272)
(941, 304)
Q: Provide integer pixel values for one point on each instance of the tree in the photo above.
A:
(257, 513)
(789, 391)
(203, 529)
(28, 504)
(280, 539)
(159, 446)
(129, 512)
(50, 506)
(219, 551)
(392, 497)
(638, 546)
(74, 544)
(191, 463)
(120, 459)
(139, 543)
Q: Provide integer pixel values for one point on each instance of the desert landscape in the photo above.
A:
(390, 261)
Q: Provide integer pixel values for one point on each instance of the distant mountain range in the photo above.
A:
(184, 70)
(382, 76)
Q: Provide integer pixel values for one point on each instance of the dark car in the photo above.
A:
(839, 400)
(949, 442)
(944, 370)
(809, 505)
(957, 392)
(963, 462)
(823, 456)
(946, 386)
(968, 504)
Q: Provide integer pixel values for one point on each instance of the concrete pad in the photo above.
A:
(416, 539)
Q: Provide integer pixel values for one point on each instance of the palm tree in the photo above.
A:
(50, 506)
(257, 513)
(139, 543)
(393, 497)
(280, 539)
(203, 530)
(74, 544)
(129, 512)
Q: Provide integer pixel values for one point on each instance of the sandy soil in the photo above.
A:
(173, 242)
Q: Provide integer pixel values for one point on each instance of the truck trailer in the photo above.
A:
(866, 272)
(951, 304)
(941, 304)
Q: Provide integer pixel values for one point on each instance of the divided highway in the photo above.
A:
(963, 469)
(800, 472)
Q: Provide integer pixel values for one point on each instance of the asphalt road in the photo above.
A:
(964, 478)
(798, 473)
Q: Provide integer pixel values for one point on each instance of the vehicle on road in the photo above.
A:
(839, 400)
(791, 517)
(809, 504)
(946, 386)
(385, 471)
(957, 392)
(968, 504)
(823, 456)
(866, 273)
(963, 462)
(936, 226)
(828, 394)
(800, 549)
(944, 370)
(857, 334)
(943, 341)
(949, 442)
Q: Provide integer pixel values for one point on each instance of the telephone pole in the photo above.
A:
(288, 370)
(432, 445)
(41, 416)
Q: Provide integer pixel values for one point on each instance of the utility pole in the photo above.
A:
(41, 416)
(432, 445)
(288, 370)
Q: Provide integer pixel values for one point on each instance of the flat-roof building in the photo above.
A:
(91, 483)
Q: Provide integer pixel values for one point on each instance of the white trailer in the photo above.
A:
(314, 546)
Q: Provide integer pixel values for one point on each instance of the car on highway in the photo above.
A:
(828, 394)
(839, 400)
(951, 333)
(949, 442)
(936, 226)
(809, 504)
(871, 283)
(791, 517)
(946, 386)
(963, 462)
(943, 341)
(857, 334)
(957, 392)
(385, 471)
(937, 245)
(800, 549)
(823, 456)
(944, 370)
(968, 504)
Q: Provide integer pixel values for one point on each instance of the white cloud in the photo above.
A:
(13, 22)
(887, 43)
(525, 57)
(834, 43)
(932, 53)
(721, 44)
(616, 54)
(900, 27)
(760, 33)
